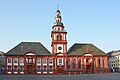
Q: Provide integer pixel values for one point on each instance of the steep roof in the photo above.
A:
(24, 47)
(79, 49)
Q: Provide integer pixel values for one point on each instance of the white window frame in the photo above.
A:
(21, 63)
(37, 61)
(14, 60)
(14, 69)
(10, 69)
(59, 62)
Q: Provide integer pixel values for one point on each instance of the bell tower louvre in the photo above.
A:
(58, 34)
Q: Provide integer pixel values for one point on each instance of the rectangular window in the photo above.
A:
(79, 63)
(9, 68)
(60, 61)
(44, 61)
(15, 68)
(50, 68)
(45, 69)
(38, 60)
(21, 68)
(30, 60)
(50, 61)
(38, 68)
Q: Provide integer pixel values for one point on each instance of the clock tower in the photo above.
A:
(58, 34)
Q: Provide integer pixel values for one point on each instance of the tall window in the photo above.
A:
(21, 68)
(50, 68)
(79, 63)
(59, 37)
(104, 63)
(15, 60)
(38, 60)
(74, 63)
(9, 60)
(68, 63)
(45, 68)
(99, 62)
(21, 60)
(94, 63)
(38, 68)
(9, 68)
(15, 68)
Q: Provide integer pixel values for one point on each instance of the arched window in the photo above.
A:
(68, 63)
(79, 63)
(59, 37)
(99, 62)
(15, 60)
(104, 63)
(74, 63)
(9, 60)
(21, 60)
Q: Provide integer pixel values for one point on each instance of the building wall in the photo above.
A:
(114, 61)
(1, 62)
(32, 64)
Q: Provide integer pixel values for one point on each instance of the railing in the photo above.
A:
(59, 30)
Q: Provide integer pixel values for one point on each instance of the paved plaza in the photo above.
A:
(110, 76)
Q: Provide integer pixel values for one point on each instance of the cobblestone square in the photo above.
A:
(110, 76)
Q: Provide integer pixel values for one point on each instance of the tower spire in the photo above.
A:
(58, 17)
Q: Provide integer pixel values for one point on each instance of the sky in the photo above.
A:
(86, 21)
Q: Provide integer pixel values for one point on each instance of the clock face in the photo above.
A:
(59, 48)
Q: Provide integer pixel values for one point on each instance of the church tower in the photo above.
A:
(58, 34)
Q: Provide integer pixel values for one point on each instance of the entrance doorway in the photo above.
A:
(60, 69)
(30, 69)
(88, 69)
(30, 66)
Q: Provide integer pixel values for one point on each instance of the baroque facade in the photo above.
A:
(34, 58)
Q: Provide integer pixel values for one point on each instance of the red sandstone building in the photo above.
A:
(34, 58)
